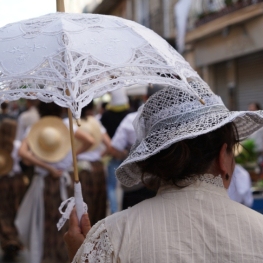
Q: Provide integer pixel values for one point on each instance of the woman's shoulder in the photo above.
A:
(130, 215)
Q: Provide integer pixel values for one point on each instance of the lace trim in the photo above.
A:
(97, 247)
(209, 179)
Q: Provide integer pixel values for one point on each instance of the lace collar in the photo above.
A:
(206, 181)
(208, 178)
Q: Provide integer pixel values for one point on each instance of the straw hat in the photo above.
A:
(6, 162)
(92, 127)
(175, 114)
(49, 139)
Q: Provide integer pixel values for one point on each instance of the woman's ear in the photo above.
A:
(222, 161)
(226, 164)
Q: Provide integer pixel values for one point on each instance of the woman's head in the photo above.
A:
(49, 109)
(187, 136)
(192, 157)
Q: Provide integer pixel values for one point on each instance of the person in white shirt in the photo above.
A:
(240, 187)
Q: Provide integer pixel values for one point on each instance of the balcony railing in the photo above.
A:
(204, 11)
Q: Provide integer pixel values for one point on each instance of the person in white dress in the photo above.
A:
(47, 146)
(187, 146)
(240, 187)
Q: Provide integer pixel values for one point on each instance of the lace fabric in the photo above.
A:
(85, 54)
(211, 179)
(173, 114)
(97, 247)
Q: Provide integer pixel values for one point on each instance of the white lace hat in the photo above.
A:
(175, 114)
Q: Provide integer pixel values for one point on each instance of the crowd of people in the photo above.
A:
(36, 175)
(37, 172)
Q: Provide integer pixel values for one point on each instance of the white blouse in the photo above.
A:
(198, 223)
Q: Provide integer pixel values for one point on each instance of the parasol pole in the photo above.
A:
(77, 185)
(60, 6)
(76, 175)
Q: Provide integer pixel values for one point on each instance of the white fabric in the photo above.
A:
(63, 165)
(258, 139)
(119, 97)
(69, 204)
(30, 220)
(240, 187)
(26, 120)
(66, 122)
(94, 155)
(125, 136)
(172, 115)
(181, 12)
(86, 54)
(30, 216)
(16, 167)
(198, 223)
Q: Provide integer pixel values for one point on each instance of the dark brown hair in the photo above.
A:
(189, 157)
(49, 109)
(7, 134)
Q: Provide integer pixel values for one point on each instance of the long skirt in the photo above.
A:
(12, 191)
(54, 247)
(93, 184)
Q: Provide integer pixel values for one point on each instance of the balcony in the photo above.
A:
(204, 11)
(201, 26)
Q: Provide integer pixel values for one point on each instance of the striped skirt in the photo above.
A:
(93, 184)
(12, 191)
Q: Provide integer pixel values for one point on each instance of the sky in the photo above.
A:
(16, 10)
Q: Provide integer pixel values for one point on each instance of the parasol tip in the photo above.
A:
(78, 122)
(202, 101)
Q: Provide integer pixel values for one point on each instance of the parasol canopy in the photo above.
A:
(72, 58)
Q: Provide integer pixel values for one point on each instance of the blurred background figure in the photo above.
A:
(5, 114)
(47, 147)
(13, 185)
(122, 141)
(91, 168)
(257, 137)
(27, 118)
(254, 106)
(240, 187)
(116, 111)
(101, 110)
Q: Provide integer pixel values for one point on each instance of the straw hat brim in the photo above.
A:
(247, 122)
(8, 162)
(57, 154)
(93, 128)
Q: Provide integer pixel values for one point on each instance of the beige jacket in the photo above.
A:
(198, 223)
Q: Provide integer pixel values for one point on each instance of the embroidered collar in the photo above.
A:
(207, 182)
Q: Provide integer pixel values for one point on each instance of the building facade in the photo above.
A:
(224, 41)
(225, 45)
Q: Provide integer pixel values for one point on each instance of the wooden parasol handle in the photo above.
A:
(60, 6)
(74, 156)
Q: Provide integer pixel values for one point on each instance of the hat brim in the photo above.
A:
(247, 122)
(57, 154)
(8, 163)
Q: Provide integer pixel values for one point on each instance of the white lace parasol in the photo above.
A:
(86, 55)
